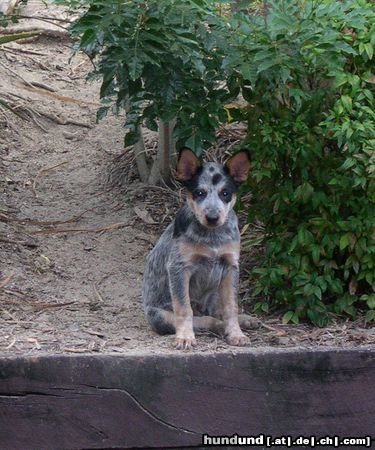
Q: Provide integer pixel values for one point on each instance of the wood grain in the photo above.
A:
(105, 401)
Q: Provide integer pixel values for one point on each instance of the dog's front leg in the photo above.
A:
(179, 279)
(229, 308)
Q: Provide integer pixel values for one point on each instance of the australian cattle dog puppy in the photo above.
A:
(191, 276)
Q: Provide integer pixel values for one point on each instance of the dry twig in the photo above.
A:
(111, 227)
(11, 344)
(42, 306)
(14, 241)
(5, 218)
(60, 121)
(76, 350)
(63, 98)
(43, 172)
(97, 293)
(6, 280)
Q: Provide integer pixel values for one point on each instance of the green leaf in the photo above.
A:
(304, 192)
(135, 67)
(266, 65)
(341, 79)
(371, 301)
(315, 253)
(101, 113)
(317, 292)
(348, 163)
(88, 38)
(369, 50)
(287, 317)
(305, 236)
(195, 143)
(293, 245)
(347, 102)
(301, 235)
(295, 319)
(344, 241)
(131, 138)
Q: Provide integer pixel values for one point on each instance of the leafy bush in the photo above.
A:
(308, 82)
(157, 60)
(305, 73)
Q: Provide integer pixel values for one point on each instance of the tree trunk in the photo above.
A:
(140, 158)
(166, 154)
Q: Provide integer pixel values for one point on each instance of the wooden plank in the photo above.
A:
(108, 401)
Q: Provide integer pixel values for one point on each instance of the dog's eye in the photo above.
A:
(199, 193)
(226, 195)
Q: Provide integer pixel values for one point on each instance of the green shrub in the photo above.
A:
(305, 72)
(158, 59)
(308, 81)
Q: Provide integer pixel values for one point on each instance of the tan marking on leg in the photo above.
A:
(183, 322)
(232, 330)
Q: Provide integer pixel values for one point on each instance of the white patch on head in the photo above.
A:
(212, 180)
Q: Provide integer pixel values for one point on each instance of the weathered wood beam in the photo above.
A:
(170, 401)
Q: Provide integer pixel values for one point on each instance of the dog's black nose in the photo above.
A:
(212, 219)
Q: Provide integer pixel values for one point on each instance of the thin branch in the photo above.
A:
(22, 50)
(22, 16)
(6, 280)
(16, 74)
(103, 229)
(52, 222)
(49, 20)
(43, 172)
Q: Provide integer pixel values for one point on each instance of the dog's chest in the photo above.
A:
(208, 272)
(208, 267)
(206, 258)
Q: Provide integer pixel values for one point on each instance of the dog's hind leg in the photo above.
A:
(202, 323)
(163, 322)
(247, 322)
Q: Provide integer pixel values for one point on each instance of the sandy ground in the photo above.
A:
(72, 244)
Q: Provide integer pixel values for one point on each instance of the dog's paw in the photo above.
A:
(238, 340)
(185, 343)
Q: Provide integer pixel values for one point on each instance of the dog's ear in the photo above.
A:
(238, 166)
(187, 166)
